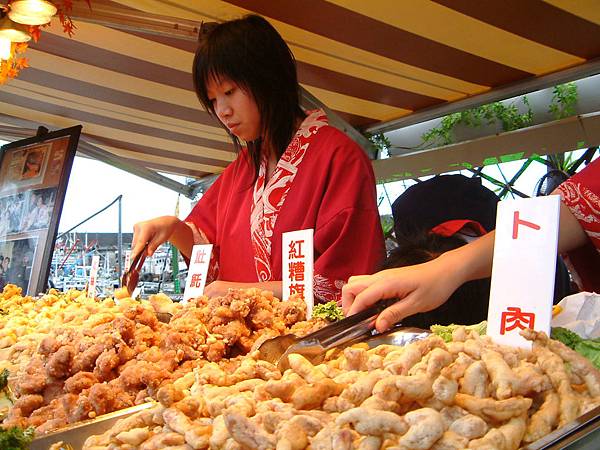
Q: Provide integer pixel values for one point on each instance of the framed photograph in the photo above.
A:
(34, 173)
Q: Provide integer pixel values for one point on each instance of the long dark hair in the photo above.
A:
(251, 53)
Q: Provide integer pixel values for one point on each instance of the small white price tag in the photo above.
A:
(93, 276)
(524, 268)
(197, 271)
(298, 266)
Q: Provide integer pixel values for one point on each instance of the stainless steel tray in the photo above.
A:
(76, 434)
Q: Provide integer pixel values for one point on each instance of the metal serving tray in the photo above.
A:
(76, 434)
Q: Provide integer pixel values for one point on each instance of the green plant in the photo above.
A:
(381, 143)
(564, 99)
(507, 115)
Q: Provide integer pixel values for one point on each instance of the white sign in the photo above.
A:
(93, 276)
(127, 259)
(297, 266)
(524, 268)
(197, 271)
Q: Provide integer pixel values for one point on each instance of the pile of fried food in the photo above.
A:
(73, 358)
(468, 393)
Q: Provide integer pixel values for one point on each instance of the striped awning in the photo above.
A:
(125, 75)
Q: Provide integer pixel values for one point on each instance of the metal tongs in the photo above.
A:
(130, 278)
(314, 346)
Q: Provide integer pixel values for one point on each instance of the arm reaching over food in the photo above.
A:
(426, 286)
(157, 231)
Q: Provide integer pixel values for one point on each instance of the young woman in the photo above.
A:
(294, 172)
(424, 287)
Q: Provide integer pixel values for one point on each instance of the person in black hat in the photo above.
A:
(443, 214)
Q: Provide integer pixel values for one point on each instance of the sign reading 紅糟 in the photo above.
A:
(297, 266)
(524, 268)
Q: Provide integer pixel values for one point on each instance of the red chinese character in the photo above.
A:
(514, 317)
(517, 222)
(297, 289)
(295, 250)
(296, 271)
(199, 257)
(196, 280)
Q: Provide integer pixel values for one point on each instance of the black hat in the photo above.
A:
(443, 198)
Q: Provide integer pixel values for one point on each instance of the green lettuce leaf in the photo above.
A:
(329, 311)
(445, 331)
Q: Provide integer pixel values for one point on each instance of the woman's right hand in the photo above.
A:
(155, 232)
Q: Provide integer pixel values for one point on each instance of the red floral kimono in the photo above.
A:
(581, 193)
(323, 181)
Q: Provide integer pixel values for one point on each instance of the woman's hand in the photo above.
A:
(155, 232)
(420, 288)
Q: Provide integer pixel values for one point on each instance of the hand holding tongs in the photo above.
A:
(313, 346)
(130, 278)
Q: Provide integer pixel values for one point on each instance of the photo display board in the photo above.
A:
(33, 180)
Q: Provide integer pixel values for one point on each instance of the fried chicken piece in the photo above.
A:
(162, 440)
(502, 377)
(80, 409)
(87, 360)
(426, 427)
(285, 387)
(305, 369)
(475, 380)
(411, 354)
(33, 380)
(144, 316)
(354, 359)
(59, 364)
(457, 369)
(400, 388)
(579, 364)
(293, 434)
(216, 351)
(232, 331)
(125, 327)
(530, 379)
(103, 398)
(469, 426)
(133, 437)
(190, 406)
(247, 433)
(48, 345)
(506, 437)
(362, 389)
(491, 409)
(554, 367)
(545, 419)
(372, 421)
(106, 365)
(167, 395)
(79, 382)
(143, 374)
(444, 389)
(53, 389)
(451, 441)
(313, 396)
(25, 405)
(291, 311)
